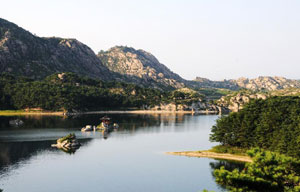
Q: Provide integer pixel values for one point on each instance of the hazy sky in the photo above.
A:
(215, 39)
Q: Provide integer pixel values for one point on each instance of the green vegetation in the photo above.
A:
(214, 93)
(286, 92)
(185, 96)
(69, 137)
(272, 124)
(269, 171)
(69, 92)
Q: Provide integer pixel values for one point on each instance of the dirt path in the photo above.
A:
(213, 155)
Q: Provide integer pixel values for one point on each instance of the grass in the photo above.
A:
(23, 112)
(11, 112)
(229, 150)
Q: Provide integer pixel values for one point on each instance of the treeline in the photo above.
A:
(272, 124)
(68, 91)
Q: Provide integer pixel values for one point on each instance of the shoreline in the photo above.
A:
(146, 112)
(61, 113)
(213, 155)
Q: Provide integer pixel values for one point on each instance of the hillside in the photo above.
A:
(22, 53)
(140, 64)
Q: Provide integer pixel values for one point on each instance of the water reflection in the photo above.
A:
(228, 165)
(129, 121)
(14, 152)
(39, 132)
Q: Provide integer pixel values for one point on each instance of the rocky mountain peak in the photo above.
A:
(141, 64)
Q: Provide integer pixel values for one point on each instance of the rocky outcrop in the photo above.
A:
(22, 53)
(140, 64)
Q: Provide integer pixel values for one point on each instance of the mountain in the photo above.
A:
(139, 64)
(22, 53)
(262, 83)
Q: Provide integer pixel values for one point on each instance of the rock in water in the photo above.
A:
(16, 122)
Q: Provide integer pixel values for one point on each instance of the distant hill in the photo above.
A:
(140, 64)
(267, 83)
(22, 53)
(225, 84)
(262, 83)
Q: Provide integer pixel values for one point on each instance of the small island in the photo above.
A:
(68, 143)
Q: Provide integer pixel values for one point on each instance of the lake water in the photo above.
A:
(131, 159)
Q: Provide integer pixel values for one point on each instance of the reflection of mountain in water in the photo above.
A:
(14, 152)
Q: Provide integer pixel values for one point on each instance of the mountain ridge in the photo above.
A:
(22, 53)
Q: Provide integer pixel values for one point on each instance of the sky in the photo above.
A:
(215, 39)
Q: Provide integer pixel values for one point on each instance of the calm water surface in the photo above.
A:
(130, 159)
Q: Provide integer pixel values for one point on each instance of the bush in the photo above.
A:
(269, 171)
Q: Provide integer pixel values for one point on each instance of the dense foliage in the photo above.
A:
(70, 92)
(272, 124)
(269, 171)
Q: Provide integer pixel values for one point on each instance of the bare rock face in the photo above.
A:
(236, 102)
(22, 53)
(141, 64)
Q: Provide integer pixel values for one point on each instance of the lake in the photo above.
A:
(131, 159)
